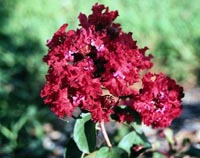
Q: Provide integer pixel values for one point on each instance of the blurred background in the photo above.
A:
(170, 28)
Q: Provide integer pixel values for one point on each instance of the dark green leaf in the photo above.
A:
(193, 151)
(115, 152)
(72, 151)
(128, 111)
(85, 134)
(133, 138)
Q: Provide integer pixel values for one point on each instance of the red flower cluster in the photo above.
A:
(99, 56)
(159, 101)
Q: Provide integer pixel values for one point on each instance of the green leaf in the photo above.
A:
(158, 155)
(6, 132)
(115, 152)
(72, 151)
(133, 138)
(85, 134)
(91, 155)
(19, 124)
(169, 135)
(137, 127)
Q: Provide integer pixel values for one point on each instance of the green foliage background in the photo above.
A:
(170, 28)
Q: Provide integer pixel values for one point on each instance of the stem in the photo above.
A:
(105, 135)
(83, 154)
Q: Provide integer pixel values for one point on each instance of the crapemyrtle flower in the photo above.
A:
(159, 101)
(102, 18)
(95, 56)
(100, 57)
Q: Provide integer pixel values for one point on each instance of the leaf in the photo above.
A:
(72, 151)
(158, 155)
(85, 134)
(193, 151)
(19, 124)
(127, 110)
(169, 135)
(115, 152)
(91, 155)
(6, 132)
(133, 138)
(137, 127)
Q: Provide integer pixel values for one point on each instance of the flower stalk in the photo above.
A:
(105, 135)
